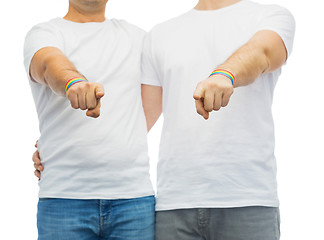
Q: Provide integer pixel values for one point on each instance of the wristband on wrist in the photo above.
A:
(73, 81)
(224, 73)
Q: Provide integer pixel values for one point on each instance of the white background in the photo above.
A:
(298, 113)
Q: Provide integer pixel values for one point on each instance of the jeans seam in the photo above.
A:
(99, 219)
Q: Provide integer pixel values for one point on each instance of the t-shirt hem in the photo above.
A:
(173, 206)
(96, 195)
(150, 82)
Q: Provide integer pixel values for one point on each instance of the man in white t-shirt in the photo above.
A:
(216, 178)
(95, 183)
(217, 175)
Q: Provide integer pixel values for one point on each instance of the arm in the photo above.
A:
(50, 67)
(264, 52)
(152, 104)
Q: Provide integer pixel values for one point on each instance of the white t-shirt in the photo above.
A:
(83, 157)
(228, 160)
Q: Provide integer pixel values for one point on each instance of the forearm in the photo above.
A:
(53, 69)
(151, 118)
(264, 52)
(152, 104)
(246, 64)
(57, 73)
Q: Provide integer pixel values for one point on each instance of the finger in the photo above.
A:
(38, 167)
(200, 109)
(73, 97)
(36, 157)
(94, 112)
(199, 92)
(226, 98)
(36, 144)
(37, 174)
(217, 101)
(37, 161)
(82, 100)
(99, 91)
(91, 99)
(209, 101)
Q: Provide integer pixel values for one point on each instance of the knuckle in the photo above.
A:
(91, 106)
(87, 85)
(208, 109)
(73, 105)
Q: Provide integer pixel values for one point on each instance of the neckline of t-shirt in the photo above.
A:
(83, 24)
(224, 9)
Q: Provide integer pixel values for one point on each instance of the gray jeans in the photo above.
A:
(242, 223)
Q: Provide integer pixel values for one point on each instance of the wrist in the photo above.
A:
(225, 73)
(73, 81)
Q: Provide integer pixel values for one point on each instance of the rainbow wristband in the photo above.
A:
(224, 73)
(73, 81)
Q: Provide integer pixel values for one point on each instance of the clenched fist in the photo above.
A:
(212, 94)
(86, 96)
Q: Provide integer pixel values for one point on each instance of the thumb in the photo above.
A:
(99, 91)
(199, 92)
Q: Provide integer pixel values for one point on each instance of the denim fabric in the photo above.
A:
(76, 219)
(241, 223)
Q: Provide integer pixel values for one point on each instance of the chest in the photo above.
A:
(106, 55)
(201, 45)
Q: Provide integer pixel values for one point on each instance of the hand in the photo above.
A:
(212, 94)
(86, 96)
(37, 163)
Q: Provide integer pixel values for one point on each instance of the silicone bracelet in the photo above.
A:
(73, 81)
(224, 73)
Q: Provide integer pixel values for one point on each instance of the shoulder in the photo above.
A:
(269, 8)
(51, 26)
(261, 10)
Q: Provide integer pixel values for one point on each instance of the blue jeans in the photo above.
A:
(76, 219)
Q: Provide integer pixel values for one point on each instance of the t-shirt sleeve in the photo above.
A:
(281, 21)
(40, 36)
(149, 73)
